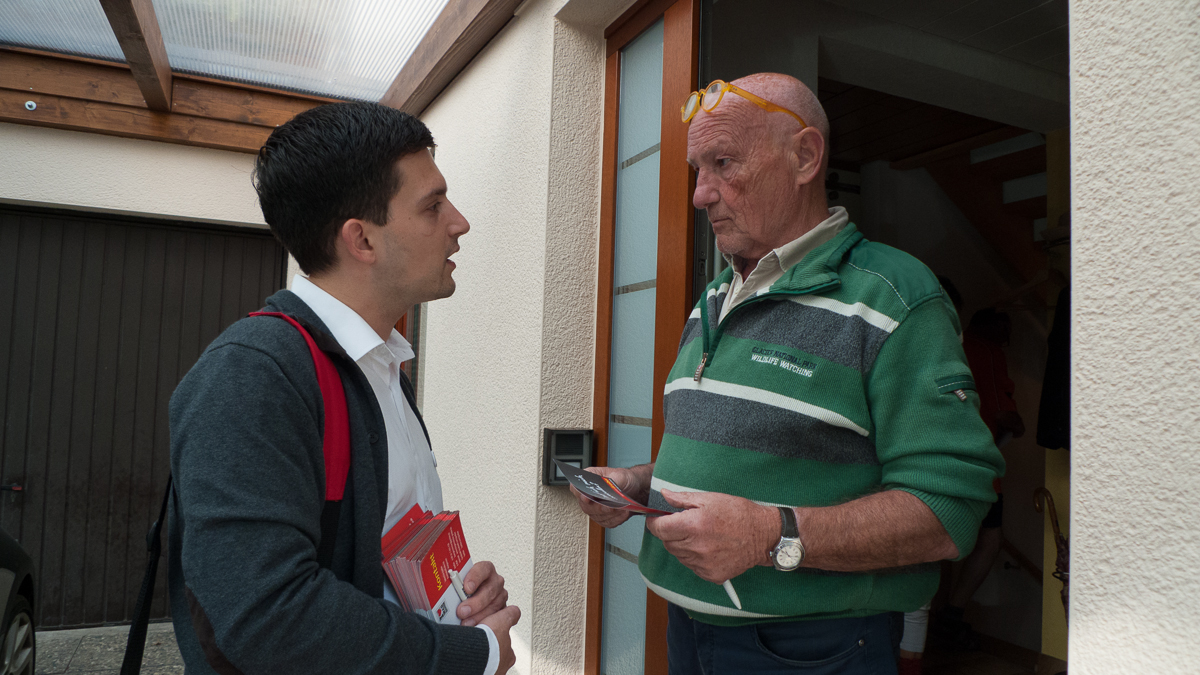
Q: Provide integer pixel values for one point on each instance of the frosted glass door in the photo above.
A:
(635, 262)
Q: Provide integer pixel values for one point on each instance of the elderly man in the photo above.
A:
(823, 446)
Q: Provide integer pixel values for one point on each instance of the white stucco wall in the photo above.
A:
(1135, 536)
(512, 351)
(76, 170)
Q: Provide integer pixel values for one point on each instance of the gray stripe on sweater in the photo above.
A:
(750, 425)
(691, 331)
(714, 308)
(846, 340)
(656, 501)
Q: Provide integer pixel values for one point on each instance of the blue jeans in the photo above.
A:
(858, 646)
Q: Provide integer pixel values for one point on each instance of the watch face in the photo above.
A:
(788, 555)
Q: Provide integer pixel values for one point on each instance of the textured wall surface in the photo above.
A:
(568, 320)
(72, 169)
(1135, 537)
(512, 351)
(568, 342)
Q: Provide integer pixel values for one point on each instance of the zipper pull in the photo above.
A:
(700, 368)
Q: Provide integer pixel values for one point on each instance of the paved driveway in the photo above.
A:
(100, 651)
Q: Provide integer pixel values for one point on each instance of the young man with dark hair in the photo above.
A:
(352, 192)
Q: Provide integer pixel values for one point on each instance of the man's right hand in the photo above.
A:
(500, 623)
(634, 482)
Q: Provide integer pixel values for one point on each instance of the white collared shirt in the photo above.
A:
(412, 467)
(774, 264)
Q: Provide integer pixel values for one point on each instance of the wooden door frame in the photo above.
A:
(673, 295)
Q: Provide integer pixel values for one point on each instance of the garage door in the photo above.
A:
(100, 317)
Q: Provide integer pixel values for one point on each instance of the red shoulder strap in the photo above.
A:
(336, 443)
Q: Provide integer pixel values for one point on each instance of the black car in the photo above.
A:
(16, 589)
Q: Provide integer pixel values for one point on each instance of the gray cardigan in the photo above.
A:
(247, 594)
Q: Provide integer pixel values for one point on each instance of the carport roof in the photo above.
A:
(223, 74)
(345, 49)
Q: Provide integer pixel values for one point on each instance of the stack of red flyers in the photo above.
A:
(422, 555)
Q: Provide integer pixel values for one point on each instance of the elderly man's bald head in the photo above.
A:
(759, 172)
(787, 92)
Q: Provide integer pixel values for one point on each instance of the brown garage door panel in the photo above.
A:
(99, 320)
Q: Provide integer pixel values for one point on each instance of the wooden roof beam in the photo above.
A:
(460, 32)
(80, 94)
(136, 28)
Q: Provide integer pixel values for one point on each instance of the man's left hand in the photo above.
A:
(486, 589)
(717, 536)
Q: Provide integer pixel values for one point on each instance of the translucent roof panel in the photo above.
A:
(68, 26)
(339, 48)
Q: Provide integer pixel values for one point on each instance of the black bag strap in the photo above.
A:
(135, 648)
(330, 513)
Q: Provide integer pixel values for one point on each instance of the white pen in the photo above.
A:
(732, 593)
(462, 592)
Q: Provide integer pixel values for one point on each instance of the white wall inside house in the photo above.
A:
(107, 174)
(512, 351)
(1135, 537)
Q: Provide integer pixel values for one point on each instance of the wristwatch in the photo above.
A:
(789, 552)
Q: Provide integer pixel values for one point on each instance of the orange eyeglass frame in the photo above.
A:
(698, 100)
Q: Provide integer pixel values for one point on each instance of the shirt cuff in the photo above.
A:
(493, 663)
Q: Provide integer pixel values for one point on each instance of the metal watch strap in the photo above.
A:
(789, 527)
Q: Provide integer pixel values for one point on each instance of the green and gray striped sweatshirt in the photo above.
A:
(844, 378)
